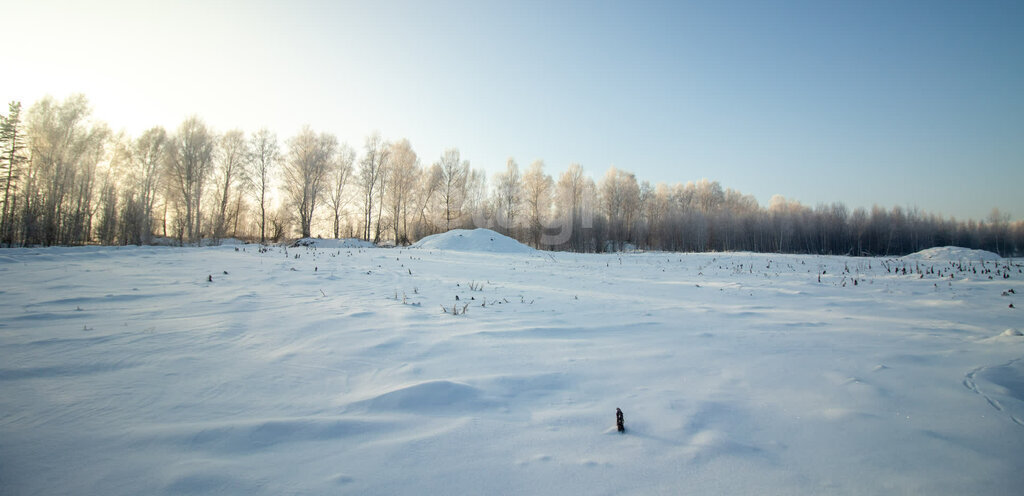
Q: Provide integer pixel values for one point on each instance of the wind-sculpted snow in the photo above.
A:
(246, 437)
(429, 397)
(330, 369)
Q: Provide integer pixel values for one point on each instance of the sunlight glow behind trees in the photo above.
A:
(79, 184)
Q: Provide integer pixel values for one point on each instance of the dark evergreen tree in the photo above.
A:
(12, 157)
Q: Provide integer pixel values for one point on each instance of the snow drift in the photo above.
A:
(954, 254)
(428, 397)
(477, 240)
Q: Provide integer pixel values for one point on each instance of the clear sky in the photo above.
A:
(890, 102)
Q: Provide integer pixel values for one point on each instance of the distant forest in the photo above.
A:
(66, 179)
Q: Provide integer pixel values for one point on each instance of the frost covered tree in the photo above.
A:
(376, 153)
(508, 195)
(405, 171)
(383, 186)
(999, 226)
(233, 158)
(537, 190)
(657, 208)
(620, 204)
(120, 210)
(265, 156)
(476, 207)
(147, 156)
(570, 196)
(65, 148)
(66, 179)
(190, 154)
(423, 199)
(340, 176)
(12, 157)
(305, 172)
(454, 178)
(107, 225)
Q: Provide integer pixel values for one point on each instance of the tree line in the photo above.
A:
(67, 179)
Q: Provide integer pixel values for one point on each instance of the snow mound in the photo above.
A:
(953, 254)
(429, 397)
(1005, 337)
(481, 240)
(332, 243)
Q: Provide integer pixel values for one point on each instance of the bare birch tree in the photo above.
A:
(371, 172)
(265, 156)
(66, 148)
(426, 190)
(305, 173)
(509, 192)
(454, 176)
(189, 165)
(341, 174)
(234, 157)
(537, 190)
(147, 155)
(405, 167)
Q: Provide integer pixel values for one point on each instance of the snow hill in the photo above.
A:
(475, 240)
(954, 254)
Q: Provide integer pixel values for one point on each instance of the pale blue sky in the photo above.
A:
(891, 102)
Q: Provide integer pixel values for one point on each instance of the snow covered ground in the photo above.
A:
(315, 370)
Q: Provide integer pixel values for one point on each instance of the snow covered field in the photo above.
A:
(333, 370)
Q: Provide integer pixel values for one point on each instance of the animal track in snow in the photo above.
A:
(1008, 377)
